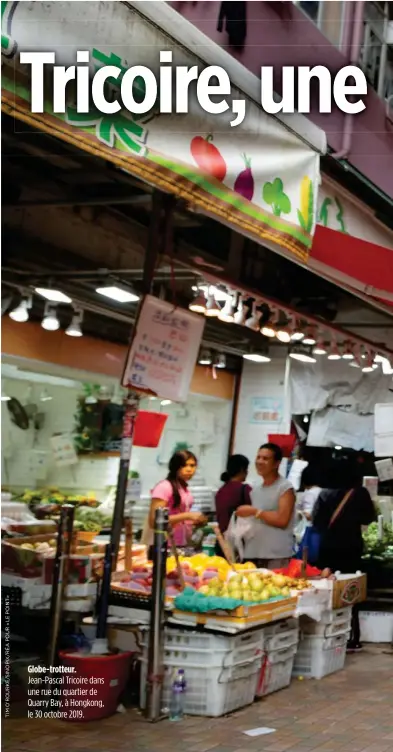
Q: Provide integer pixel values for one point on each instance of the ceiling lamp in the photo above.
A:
(120, 294)
(213, 310)
(45, 396)
(302, 353)
(205, 358)
(257, 357)
(268, 330)
(227, 313)
(21, 312)
(283, 334)
(5, 397)
(297, 332)
(387, 368)
(54, 296)
(220, 361)
(198, 305)
(309, 338)
(166, 402)
(348, 354)
(241, 314)
(320, 348)
(334, 353)
(50, 322)
(253, 321)
(74, 329)
(220, 295)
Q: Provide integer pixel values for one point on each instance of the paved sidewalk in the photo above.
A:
(351, 711)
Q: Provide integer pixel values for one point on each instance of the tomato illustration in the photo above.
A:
(208, 158)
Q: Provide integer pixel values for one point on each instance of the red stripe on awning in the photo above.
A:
(368, 264)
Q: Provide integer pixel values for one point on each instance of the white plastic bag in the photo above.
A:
(240, 530)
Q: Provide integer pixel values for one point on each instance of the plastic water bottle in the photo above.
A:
(176, 710)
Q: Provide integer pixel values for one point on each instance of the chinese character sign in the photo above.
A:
(164, 350)
(266, 410)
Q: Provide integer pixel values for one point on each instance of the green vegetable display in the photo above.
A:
(89, 520)
(375, 547)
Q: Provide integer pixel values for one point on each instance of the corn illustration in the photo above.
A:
(306, 212)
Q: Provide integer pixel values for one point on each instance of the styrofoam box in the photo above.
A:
(317, 657)
(332, 623)
(276, 671)
(376, 626)
(211, 690)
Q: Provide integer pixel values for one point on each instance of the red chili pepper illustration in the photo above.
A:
(208, 158)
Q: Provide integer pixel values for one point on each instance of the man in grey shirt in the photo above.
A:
(273, 506)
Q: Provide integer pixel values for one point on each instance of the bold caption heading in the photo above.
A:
(169, 92)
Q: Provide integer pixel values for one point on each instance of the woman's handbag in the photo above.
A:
(312, 537)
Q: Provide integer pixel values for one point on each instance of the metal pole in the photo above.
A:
(59, 580)
(132, 404)
(154, 666)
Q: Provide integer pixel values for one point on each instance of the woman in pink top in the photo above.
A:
(173, 493)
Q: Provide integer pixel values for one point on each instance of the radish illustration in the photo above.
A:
(244, 183)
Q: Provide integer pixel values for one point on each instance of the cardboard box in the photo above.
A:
(24, 562)
(345, 590)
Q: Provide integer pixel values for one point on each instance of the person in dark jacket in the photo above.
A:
(339, 515)
(233, 493)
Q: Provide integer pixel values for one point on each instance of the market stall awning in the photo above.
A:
(260, 177)
(350, 246)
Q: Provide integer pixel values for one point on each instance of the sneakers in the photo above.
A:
(354, 647)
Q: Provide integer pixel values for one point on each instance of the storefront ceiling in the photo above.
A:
(67, 215)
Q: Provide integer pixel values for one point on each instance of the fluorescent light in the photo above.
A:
(5, 398)
(257, 358)
(309, 338)
(334, 353)
(338, 447)
(50, 322)
(319, 349)
(55, 296)
(21, 312)
(118, 294)
(166, 402)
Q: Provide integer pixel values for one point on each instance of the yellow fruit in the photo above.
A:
(204, 589)
(265, 594)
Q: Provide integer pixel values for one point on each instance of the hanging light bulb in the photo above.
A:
(334, 353)
(74, 329)
(50, 322)
(198, 305)
(241, 314)
(302, 353)
(213, 310)
(21, 312)
(253, 321)
(348, 354)
(227, 313)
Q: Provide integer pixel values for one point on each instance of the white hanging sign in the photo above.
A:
(164, 350)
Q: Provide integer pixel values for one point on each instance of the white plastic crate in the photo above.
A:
(183, 647)
(284, 637)
(317, 657)
(211, 690)
(276, 671)
(332, 623)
